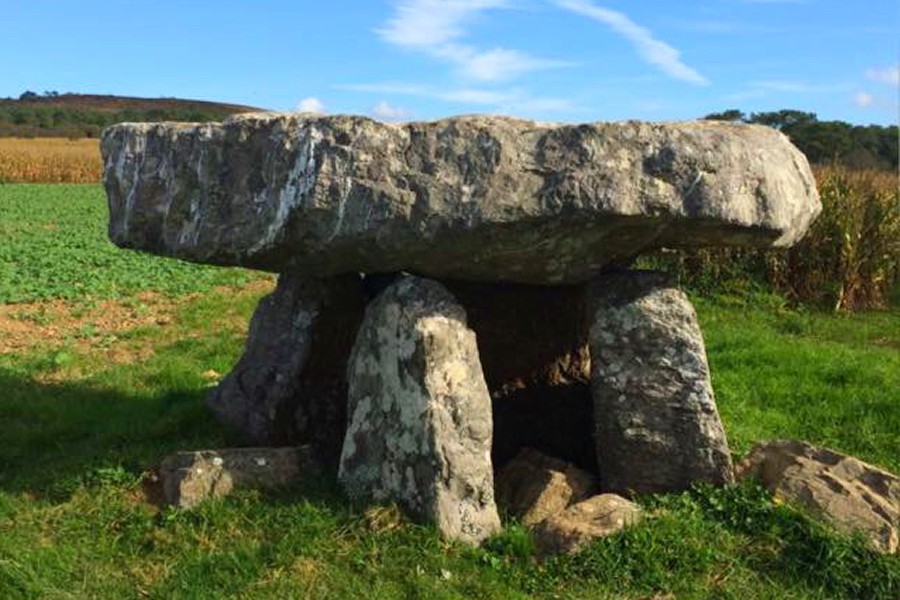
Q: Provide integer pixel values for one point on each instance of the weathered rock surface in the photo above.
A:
(596, 517)
(845, 491)
(657, 427)
(290, 385)
(189, 478)
(419, 428)
(534, 486)
(476, 198)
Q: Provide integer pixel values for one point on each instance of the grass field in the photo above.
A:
(106, 355)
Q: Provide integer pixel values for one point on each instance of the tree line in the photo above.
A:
(58, 121)
(52, 114)
(827, 142)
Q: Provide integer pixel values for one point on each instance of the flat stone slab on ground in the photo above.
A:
(476, 198)
(848, 493)
(594, 518)
(189, 478)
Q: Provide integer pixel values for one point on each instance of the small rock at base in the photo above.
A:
(533, 486)
(597, 517)
(189, 478)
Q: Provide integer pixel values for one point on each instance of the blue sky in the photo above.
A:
(561, 60)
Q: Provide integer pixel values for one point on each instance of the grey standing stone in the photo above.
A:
(657, 427)
(420, 426)
(289, 386)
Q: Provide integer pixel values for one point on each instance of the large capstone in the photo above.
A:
(289, 386)
(475, 198)
(419, 413)
(657, 427)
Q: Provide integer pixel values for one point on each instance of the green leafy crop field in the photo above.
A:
(105, 359)
(53, 244)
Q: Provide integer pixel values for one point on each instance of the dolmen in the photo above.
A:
(451, 292)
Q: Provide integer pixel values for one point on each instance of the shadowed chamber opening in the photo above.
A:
(555, 420)
(532, 343)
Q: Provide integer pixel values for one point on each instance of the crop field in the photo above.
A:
(106, 356)
(50, 160)
(54, 245)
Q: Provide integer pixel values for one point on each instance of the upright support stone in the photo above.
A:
(289, 387)
(657, 428)
(419, 411)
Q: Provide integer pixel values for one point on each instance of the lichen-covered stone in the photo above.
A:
(477, 198)
(570, 530)
(657, 427)
(189, 478)
(419, 413)
(289, 387)
(533, 486)
(852, 495)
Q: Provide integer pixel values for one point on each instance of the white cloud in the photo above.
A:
(387, 87)
(890, 75)
(514, 101)
(430, 23)
(498, 64)
(656, 52)
(472, 96)
(434, 26)
(388, 112)
(456, 96)
(799, 87)
(761, 89)
(311, 105)
(863, 100)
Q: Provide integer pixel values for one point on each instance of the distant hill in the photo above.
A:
(85, 115)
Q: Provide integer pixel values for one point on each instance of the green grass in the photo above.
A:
(53, 244)
(77, 434)
(831, 379)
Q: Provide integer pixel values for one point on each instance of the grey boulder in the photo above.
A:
(848, 493)
(289, 387)
(476, 198)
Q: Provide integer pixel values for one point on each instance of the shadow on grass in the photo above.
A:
(57, 435)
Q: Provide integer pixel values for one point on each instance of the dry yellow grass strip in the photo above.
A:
(50, 160)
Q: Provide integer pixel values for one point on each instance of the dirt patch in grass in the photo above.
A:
(46, 324)
(101, 329)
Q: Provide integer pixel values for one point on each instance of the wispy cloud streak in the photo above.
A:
(514, 100)
(654, 51)
(890, 75)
